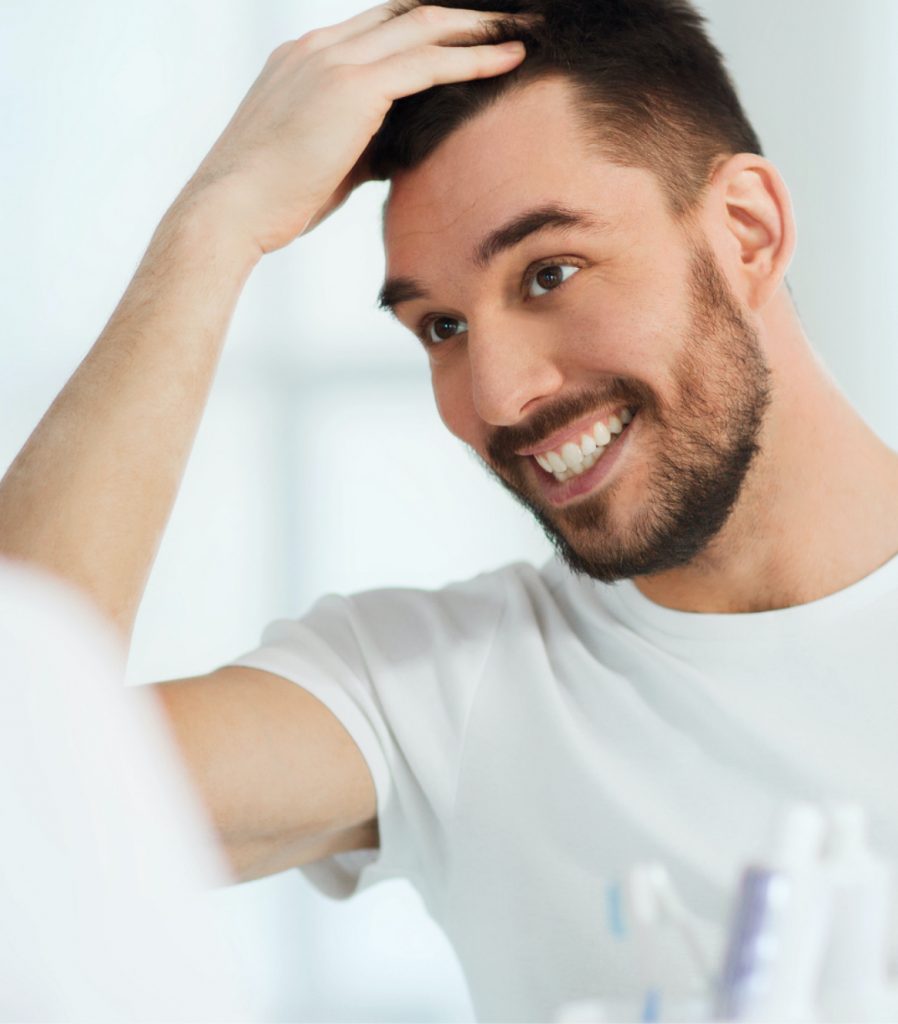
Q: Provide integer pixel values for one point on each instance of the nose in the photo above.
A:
(513, 365)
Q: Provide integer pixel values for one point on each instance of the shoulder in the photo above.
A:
(462, 609)
(403, 627)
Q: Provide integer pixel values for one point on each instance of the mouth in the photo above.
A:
(580, 468)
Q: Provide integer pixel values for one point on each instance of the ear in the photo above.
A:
(752, 220)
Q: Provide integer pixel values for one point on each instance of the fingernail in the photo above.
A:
(515, 46)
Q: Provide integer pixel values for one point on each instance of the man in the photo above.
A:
(593, 250)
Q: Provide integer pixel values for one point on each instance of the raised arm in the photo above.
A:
(90, 494)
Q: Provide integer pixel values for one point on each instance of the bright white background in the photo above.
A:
(321, 464)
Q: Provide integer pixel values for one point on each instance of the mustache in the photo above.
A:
(505, 441)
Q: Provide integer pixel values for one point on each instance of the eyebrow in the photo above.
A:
(397, 290)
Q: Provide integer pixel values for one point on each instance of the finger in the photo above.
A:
(416, 70)
(330, 35)
(422, 26)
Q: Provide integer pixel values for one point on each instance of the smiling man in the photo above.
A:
(592, 249)
(575, 310)
(599, 365)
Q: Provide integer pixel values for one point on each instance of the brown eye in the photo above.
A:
(442, 328)
(549, 277)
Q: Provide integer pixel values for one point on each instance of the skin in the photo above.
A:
(749, 469)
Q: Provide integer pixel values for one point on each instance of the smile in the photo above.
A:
(561, 488)
(576, 457)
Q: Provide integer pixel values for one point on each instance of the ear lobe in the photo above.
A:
(760, 224)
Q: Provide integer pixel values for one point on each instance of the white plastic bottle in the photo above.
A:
(853, 980)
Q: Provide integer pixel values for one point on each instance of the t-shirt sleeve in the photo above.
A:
(399, 668)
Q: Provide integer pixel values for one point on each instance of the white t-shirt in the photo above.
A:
(533, 734)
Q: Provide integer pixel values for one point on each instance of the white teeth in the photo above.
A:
(556, 462)
(574, 459)
(572, 456)
(601, 433)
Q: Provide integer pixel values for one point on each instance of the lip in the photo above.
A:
(574, 433)
(559, 494)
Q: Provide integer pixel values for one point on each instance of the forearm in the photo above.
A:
(90, 494)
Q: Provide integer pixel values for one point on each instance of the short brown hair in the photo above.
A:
(654, 89)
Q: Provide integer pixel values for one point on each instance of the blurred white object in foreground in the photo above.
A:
(106, 855)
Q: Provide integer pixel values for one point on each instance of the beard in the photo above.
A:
(705, 446)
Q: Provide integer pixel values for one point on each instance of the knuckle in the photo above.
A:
(430, 15)
(280, 51)
(312, 41)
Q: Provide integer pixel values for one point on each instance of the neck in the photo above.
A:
(819, 506)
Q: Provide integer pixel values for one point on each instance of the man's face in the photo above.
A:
(553, 290)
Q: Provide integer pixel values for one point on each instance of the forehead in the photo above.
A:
(528, 149)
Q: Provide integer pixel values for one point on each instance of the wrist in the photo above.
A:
(210, 220)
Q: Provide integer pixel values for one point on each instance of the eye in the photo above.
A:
(435, 330)
(441, 328)
(548, 277)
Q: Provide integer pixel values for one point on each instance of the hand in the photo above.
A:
(295, 148)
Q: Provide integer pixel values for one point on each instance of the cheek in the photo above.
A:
(633, 338)
(628, 319)
(622, 342)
